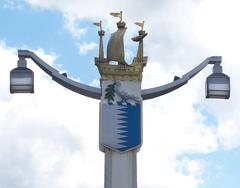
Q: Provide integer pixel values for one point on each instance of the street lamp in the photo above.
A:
(21, 78)
(218, 84)
(121, 98)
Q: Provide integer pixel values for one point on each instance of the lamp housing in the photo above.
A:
(21, 79)
(218, 84)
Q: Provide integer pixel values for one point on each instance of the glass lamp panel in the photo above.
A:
(218, 86)
(21, 80)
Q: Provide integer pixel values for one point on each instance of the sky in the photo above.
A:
(50, 138)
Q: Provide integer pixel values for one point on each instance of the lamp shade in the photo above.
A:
(218, 86)
(21, 80)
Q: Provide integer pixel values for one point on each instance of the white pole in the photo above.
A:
(120, 133)
(120, 169)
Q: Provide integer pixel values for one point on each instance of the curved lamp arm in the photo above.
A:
(164, 89)
(77, 87)
(95, 93)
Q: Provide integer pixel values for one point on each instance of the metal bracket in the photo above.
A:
(95, 93)
(162, 90)
(82, 89)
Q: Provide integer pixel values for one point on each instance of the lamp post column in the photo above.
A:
(120, 169)
(120, 127)
(120, 130)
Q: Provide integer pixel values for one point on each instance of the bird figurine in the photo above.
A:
(125, 95)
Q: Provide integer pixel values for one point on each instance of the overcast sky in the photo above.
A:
(50, 139)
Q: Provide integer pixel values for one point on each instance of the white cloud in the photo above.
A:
(194, 167)
(72, 27)
(11, 4)
(85, 47)
(229, 134)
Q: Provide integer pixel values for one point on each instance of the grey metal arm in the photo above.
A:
(82, 89)
(95, 93)
(164, 89)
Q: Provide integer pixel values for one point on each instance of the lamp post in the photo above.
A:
(121, 98)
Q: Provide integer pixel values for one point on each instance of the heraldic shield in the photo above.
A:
(120, 116)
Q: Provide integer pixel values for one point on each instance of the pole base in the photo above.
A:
(120, 169)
